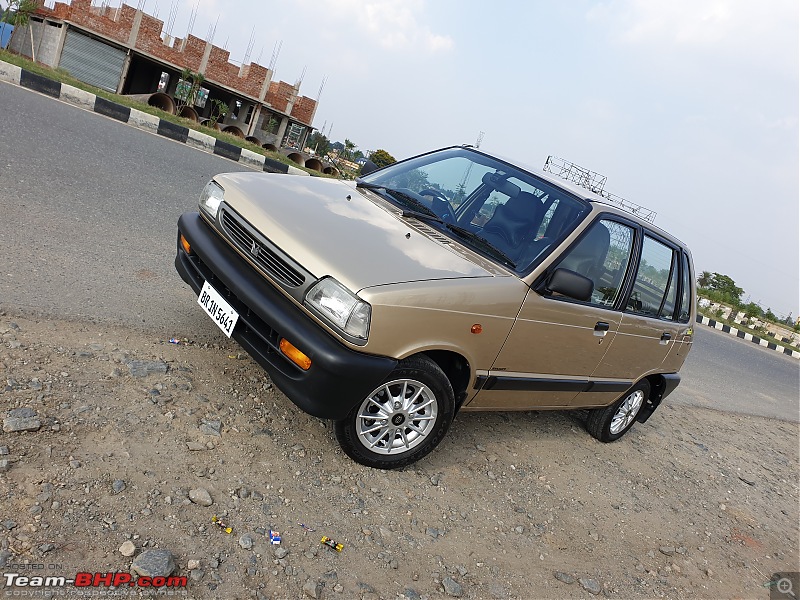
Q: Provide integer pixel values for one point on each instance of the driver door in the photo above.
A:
(556, 342)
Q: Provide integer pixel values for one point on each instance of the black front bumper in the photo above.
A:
(339, 377)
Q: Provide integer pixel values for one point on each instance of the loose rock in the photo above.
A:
(128, 548)
(21, 419)
(452, 587)
(201, 497)
(143, 368)
(564, 577)
(154, 563)
(211, 428)
(312, 588)
(590, 585)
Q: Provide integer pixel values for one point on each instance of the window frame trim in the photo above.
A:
(686, 261)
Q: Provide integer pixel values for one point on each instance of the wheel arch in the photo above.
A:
(661, 385)
(457, 369)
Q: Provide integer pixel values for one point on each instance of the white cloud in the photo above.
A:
(393, 25)
(739, 26)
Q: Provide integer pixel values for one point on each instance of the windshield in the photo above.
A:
(498, 210)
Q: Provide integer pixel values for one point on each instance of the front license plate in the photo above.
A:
(218, 309)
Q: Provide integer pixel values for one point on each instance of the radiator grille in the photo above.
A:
(259, 250)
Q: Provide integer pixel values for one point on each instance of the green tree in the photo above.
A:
(382, 158)
(349, 147)
(752, 310)
(218, 111)
(726, 287)
(320, 143)
(704, 279)
(188, 88)
(770, 316)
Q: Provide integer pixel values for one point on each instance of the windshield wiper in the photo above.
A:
(399, 197)
(421, 216)
(477, 240)
(369, 186)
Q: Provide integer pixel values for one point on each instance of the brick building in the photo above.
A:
(125, 50)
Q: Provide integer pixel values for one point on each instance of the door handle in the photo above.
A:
(665, 338)
(600, 328)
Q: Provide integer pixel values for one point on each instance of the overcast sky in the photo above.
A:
(689, 107)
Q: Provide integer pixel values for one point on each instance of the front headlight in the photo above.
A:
(211, 197)
(346, 311)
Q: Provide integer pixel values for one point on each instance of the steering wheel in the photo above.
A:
(440, 204)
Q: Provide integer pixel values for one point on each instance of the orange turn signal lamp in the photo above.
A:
(186, 245)
(294, 355)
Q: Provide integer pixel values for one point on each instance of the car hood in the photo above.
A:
(331, 228)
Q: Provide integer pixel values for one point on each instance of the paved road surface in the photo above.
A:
(727, 373)
(89, 209)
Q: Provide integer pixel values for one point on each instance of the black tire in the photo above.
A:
(417, 404)
(601, 423)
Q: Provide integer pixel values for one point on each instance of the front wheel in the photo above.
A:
(402, 420)
(611, 423)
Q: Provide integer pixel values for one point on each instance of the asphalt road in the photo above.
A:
(89, 209)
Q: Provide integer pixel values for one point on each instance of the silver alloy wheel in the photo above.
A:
(396, 417)
(626, 412)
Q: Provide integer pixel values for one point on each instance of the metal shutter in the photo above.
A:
(92, 61)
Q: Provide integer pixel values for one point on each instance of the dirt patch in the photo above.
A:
(694, 503)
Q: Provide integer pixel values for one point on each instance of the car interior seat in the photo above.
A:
(513, 224)
(588, 256)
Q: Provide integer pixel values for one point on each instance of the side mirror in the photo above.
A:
(368, 167)
(570, 284)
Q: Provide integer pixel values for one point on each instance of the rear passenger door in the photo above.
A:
(650, 324)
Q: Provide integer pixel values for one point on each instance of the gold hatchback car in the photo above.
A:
(450, 281)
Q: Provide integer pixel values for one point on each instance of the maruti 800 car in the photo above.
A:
(451, 281)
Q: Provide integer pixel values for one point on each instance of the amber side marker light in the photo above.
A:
(477, 328)
(185, 245)
(294, 355)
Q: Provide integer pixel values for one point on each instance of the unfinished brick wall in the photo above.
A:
(117, 23)
(304, 109)
(280, 95)
(114, 23)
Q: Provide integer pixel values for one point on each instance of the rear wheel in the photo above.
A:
(612, 422)
(402, 420)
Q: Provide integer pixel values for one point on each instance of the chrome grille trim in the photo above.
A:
(259, 249)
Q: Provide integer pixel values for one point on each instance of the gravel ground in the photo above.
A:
(117, 445)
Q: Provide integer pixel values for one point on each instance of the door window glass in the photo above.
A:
(668, 311)
(652, 278)
(602, 255)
